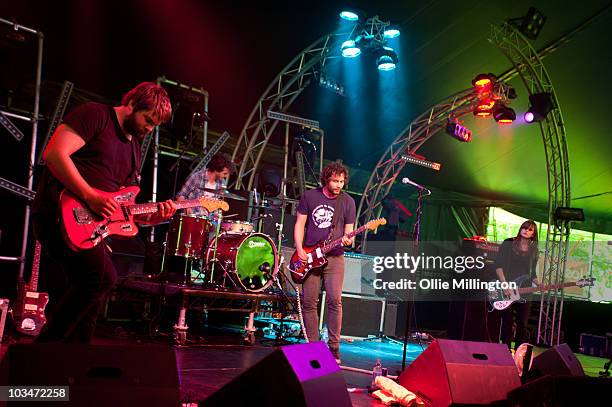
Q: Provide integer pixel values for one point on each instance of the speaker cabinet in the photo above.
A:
(562, 391)
(460, 372)
(295, 375)
(556, 361)
(97, 375)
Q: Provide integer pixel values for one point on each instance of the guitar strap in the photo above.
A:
(337, 209)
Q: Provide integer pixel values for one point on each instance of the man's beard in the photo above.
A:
(130, 127)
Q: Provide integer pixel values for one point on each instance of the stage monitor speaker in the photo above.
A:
(461, 372)
(556, 361)
(97, 375)
(295, 375)
(562, 391)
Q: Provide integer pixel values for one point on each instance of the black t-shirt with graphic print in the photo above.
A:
(320, 214)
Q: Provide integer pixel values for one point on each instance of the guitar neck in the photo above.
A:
(151, 207)
(33, 286)
(528, 290)
(338, 241)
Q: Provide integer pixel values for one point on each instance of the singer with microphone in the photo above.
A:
(325, 213)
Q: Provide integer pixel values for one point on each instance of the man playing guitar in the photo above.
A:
(96, 148)
(314, 224)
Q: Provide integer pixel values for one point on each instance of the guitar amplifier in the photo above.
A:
(479, 246)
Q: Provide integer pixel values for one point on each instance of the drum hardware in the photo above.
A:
(236, 226)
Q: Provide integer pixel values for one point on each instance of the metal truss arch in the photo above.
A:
(408, 142)
(279, 96)
(528, 64)
(288, 85)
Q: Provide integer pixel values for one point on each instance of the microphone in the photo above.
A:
(414, 184)
(265, 267)
(303, 140)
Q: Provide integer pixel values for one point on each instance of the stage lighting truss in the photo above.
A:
(371, 36)
(420, 160)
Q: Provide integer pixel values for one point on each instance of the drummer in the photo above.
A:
(203, 182)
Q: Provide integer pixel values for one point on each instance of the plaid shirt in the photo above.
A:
(194, 188)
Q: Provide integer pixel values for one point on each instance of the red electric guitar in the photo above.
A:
(84, 230)
(29, 310)
(316, 254)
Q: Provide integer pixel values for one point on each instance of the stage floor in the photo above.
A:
(209, 362)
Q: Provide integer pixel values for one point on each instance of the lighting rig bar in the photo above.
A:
(283, 117)
(17, 189)
(213, 150)
(412, 159)
(58, 113)
(8, 125)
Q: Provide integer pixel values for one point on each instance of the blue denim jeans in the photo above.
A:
(333, 278)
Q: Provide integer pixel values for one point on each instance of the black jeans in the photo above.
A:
(507, 316)
(90, 276)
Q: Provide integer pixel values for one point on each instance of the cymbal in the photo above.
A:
(270, 206)
(224, 193)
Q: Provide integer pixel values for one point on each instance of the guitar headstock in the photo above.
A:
(213, 204)
(373, 224)
(586, 282)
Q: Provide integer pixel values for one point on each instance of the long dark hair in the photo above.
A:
(533, 240)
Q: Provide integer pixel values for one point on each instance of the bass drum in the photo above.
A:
(251, 260)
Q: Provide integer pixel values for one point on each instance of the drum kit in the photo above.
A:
(223, 254)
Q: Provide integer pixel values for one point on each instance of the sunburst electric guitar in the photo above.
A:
(29, 309)
(84, 230)
(316, 254)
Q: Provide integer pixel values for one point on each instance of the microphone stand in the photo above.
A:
(416, 233)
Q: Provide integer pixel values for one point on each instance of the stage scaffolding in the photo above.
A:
(34, 119)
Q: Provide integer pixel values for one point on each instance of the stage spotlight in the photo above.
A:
(391, 32)
(484, 108)
(540, 105)
(459, 132)
(349, 15)
(483, 81)
(387, 59)
(503, 114)
(532, 23)
(350, 49)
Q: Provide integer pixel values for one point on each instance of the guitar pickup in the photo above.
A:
(126, 227)
(82, 216)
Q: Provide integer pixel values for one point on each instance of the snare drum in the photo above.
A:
(251, 260)
(188, 236)
(236, 226)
